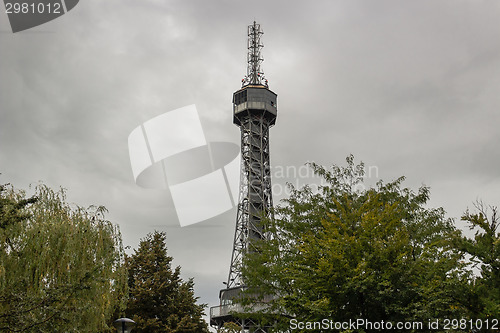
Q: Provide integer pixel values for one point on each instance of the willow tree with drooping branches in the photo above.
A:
(61, 266)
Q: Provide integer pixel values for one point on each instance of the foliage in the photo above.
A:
(61, 267)
(160, 301)
(346, 252)
(230, 327)
(484, 250)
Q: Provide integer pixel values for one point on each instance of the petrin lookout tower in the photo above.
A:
(255, 111)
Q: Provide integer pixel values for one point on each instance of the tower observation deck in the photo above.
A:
(254, 112)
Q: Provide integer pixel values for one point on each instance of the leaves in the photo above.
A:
(349, 252)
(160, 301)
(484, 250)
(61, 267)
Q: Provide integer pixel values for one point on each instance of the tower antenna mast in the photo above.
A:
(255, 75)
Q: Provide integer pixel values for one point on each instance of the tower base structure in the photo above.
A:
(230, 311)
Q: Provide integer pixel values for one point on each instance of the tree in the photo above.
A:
(230, 327)
(160, 301)
(61, 267)
(484, 251)
(346, 253)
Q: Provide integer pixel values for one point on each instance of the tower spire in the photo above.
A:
(255, 75)
(254, 112)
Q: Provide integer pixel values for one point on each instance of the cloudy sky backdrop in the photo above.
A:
(409, 87)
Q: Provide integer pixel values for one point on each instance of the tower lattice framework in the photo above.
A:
(254, 111)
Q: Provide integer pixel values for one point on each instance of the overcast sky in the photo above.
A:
(409, 87)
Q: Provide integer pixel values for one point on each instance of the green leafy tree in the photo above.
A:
(61, 267)
(230, 327)
(347, 252)
(160, 301)
(484, 251)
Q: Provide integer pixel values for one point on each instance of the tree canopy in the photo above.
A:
(63, 269)
(348, 252)
(61, 266)
(160, 301)
(484, 252)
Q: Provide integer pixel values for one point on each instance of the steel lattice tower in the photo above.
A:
(255, 111)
